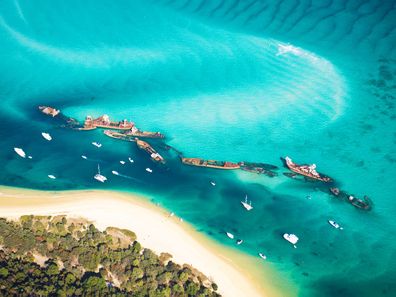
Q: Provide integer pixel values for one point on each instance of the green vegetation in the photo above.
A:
(55, 256)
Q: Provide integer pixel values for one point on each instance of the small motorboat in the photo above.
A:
(239, 241)
(100, 177)
(292, 238)
(84, 157)
(213, 183)
(122, 162)
(30, 157)
(334, 224)
(46, 136)
(51, 176)
(97, 144)
(230, 235)
(20, 152)
(262, 256)
(115, 172)
(130, 159)
(149, 170)
(246, 205)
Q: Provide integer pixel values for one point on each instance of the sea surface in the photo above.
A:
(237, 80)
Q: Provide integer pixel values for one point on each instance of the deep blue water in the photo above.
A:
(230, 80)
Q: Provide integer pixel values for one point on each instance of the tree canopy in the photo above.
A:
(59, 256)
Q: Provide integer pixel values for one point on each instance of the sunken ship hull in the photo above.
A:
(225, 165)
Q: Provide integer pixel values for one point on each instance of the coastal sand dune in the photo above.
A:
(155, 229)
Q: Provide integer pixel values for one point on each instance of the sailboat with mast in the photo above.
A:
(246, 205)
(100, 177)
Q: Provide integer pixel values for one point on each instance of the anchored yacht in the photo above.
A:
(292, 238)
(20, 152)
(334, 224)
(230, 235)
(247, 205)
(100, 177)
(262, 256)
(46, 136)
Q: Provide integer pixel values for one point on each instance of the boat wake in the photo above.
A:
(127, 177)
(19, 10)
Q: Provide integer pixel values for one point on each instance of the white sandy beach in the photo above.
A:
(154, 227)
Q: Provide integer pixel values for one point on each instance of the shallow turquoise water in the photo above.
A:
(234, 80)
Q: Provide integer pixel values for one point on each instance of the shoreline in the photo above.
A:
(156, 230)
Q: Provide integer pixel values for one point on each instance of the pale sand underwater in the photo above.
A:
(235, 274)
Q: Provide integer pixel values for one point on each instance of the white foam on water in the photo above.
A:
(287, 48)
(334, 87)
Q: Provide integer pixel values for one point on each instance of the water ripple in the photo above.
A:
(346, 22)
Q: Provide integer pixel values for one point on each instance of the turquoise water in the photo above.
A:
(229, 80)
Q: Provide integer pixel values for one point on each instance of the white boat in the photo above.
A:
(230, 235)
(46, 136)
(292, 238)
(100, 177)
(262, 256)
(97, 144)
(239, 241)
(115, 172)
(84, 157)
(335, 224)
(247, 205)
(30, 157)
(51, 176)
(122, 162)
(149, 170)
(213, 183)
(130, 159)
(20, 152)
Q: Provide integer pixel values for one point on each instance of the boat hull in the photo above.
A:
(363, 204)
(86, 128)
(204, 163)
(150, 150)
(296, 169)
(49, 110)
(131, 136)
(113, 127)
